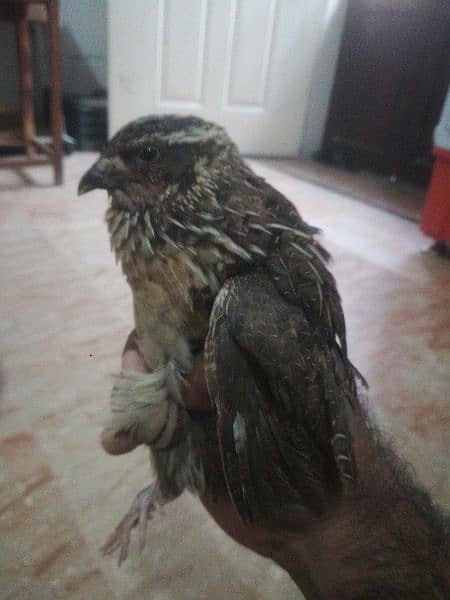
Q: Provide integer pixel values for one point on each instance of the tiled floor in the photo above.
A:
(64, 315)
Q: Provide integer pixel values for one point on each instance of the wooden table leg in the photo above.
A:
(55, 87)
(26, 81)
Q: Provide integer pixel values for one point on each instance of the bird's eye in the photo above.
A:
(148, 154)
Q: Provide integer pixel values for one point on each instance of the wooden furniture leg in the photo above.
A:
(37, 150)
(55, 80)
(26, 81)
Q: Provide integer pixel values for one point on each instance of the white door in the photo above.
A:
(245, 64)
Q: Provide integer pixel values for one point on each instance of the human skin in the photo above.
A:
(384, 539)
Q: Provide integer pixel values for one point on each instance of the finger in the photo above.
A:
(117, 443)
(131, 343)
(132, 360)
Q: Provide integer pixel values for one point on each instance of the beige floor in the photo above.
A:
(64, 315)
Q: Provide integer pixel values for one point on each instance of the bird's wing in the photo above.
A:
(282, 400)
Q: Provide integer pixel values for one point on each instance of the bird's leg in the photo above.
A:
(142, 509)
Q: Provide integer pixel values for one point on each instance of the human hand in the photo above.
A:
(195, 397)
(331, 556)
(269, 540)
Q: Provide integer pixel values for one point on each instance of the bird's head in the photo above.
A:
(152, 158)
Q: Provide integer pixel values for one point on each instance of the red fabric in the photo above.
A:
(436, 214)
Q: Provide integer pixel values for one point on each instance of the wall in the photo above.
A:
(83, 45)
(9, 83)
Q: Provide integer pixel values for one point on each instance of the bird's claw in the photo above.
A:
(141, 510)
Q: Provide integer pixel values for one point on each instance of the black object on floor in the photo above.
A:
(86, 120)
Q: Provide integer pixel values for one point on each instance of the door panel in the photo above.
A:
(180, 53)
(246, 64)
(242, 58)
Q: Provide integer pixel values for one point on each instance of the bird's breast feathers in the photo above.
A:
(197, 249)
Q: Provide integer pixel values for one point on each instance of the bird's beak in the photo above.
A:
(102, 175)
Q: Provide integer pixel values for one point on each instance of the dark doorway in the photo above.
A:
(392, 76)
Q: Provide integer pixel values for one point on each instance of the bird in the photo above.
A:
(222, 266)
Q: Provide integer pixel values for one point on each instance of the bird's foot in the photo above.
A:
(142, 509)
